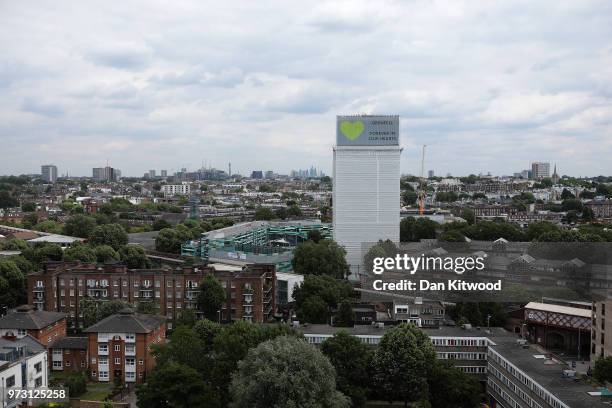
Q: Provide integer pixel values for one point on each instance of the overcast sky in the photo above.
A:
(487, 85)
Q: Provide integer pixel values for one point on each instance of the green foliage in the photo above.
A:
(96, 310)
(536, 229)
(286, 372)
(29, 220)
(264, 213)
(110, 234)
(170, 240)
(79, 226)
(48, 226)
(210, 297)
(147, 307)
(43, 252)
(318, 295)
(345, 317)
(160, 224)
(446, 196)
(409, 197)
(602, 370)
(450, 386)
(76, 384)
(175, 385)
(187, 318)
(135, 257)
(7, 200)
(80, 252)
(572, 204)
(402, 363)
(452, 236)
(351, 359)
(106, 253)
(12, 284)
(28, 207)
(413, 229)
(323, 258)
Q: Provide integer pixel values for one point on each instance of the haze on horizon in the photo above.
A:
(488, 86)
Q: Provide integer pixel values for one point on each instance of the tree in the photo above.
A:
(409, 197)
(345, 316)
(80, 252)
(323, 258)
(450, 386)
(572, 204)
(294, 211)
(207, 330)
(106, 253)
(12, 284)
(187, 318)
(175, 385)
(147, 307)
(184, 347)
(315, 236)
(318, 295)
(286, 372)
(402, 363)
(264, 213)
(134, 257)
(413, 230)
(169, 240)
(603, 369)
(89, 309)
(351, 359)
(587, 214)
(28, 207)
(160, 224)
(452, 236)
(79, 226)
(210, 297)
(110, 308)
(7, 200)
(468, 215)
(50, 226)
(29, 220)
(536, 229)
(566, 194)
(76, 384)
(110, 234)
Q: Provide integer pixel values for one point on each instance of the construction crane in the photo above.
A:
(421, 194)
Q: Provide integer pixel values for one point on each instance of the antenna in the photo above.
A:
(421, 194)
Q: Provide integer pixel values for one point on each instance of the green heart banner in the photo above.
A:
(352, 130)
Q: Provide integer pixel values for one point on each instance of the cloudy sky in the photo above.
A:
(487, 85)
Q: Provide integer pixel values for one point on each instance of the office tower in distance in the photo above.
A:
(106, 174)
(164, 173)
(257, 175)
(49, 173)
(366, 179)
(151, 173)
(430, 174)
(540, 170)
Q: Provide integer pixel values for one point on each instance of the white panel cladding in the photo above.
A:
(366, 197)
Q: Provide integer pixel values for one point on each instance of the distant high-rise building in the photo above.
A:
(106, 174)
(555, 177)
(152, 173)
(269, 175)
(540, 170)
(430, 174)
(49, 173)
(164, 173)
(257, 175)
(229, 169)
(366, 184)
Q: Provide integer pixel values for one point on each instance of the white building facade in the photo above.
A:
(366, 192)
(176, 189)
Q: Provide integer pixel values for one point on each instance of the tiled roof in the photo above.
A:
(25, 317)
(127, 321)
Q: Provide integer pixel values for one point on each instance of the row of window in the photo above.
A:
(103, 375)
(58, 364)
(129, 361)
(462, 356)
(512, 386)
(105, 283)
(129, 348)
(448, 342)
(532, 385)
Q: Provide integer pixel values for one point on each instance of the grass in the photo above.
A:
(97, 391)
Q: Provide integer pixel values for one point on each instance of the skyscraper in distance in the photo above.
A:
(366, 179)
(49, 173)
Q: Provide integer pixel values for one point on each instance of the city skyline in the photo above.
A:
(495, 85)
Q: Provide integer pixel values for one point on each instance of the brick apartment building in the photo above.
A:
(60, 287)
(44, 326)
(69, 354)
(120, 346)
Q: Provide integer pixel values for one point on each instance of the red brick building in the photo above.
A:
(44, 326)
(119, 346)
(69, 354)
(60, 286)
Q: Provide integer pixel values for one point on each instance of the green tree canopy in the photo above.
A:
(286, 372)
(79, 226)
(134, 257)
(449, 386)
(413, 230)
(106, 253)
(323, 258)
(109, 234)
(80, 252)
(210, 297)
(402, 363)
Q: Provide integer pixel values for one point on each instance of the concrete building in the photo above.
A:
(601, 343)
(176, 189)
(430, 174)
(120, 346)
(23, 364)
(152, 174)
(366, 192)
(49, 173)
(540, 170)
(60, 287)
(164, 173)
(106, 174)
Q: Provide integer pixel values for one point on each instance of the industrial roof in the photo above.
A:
(546, 307)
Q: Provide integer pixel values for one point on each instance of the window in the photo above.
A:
(124, 283)
(129, 336)
(38, 367)
(104, 375)
(130, 375)
(57, 364)
(38, 382)
(169, 284)
(117, 360)
(129, 348)
(140, 375)
(21, 332)
(103, 360)
(82, 364)
(102, 348)
(141, 361)
(67, 363)
(117, 347)
(93, 360)
(10, 381)
(93, 373)
(130, 361)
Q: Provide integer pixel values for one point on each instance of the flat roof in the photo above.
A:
(568, 310)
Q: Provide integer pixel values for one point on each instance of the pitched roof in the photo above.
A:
(28, 318)
(126, 321)
(568, 310)
(70, 343)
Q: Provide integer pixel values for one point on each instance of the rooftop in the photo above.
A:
(568, 310)
(127, 321)
(28, 318)
(78, 343)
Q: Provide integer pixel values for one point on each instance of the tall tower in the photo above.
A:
(229, 169)
(366, 195)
